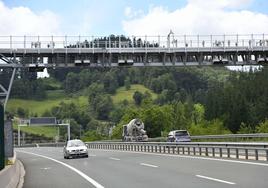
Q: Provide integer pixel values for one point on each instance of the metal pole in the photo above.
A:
(69, 131)
(119, 42)
(159, 41)
(66, 43)
(52, 42)
(93, 44)
(9, 87)
(58, 134)
(10, 42)
(198, 39)
(145, 43)
(23, 138)
(24, 44)
(2, 138)
(79, 45)
(263, 42)
(18, 135)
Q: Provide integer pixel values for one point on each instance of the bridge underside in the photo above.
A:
(135, 57)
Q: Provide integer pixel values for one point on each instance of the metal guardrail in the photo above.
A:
(226, 136)
(59, 144)
(217, 137)
(246, 151)
(110, 42)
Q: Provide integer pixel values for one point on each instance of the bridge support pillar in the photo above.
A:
(2, 138)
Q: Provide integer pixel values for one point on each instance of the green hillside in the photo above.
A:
(39, 107)
(123, 94)
(49, 132)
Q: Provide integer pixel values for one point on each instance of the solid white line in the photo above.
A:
(149, 165)
(90, 180)
(191, 157)
(214, 179)
(116, 159)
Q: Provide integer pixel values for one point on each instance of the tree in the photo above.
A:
(110, 82)
(71, 83)
(138, 96)
(127, 83)
(104, 106)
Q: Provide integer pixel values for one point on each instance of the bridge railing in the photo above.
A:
(246, 151)
(170, 41)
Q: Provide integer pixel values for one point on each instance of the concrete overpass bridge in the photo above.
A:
(38, 52)
(112, 51)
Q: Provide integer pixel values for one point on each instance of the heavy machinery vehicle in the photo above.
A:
(134, 131)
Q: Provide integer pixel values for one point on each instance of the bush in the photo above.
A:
(262, 127)
(92, 136)
(214, 127)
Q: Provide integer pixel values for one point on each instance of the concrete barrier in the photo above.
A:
(12, 176)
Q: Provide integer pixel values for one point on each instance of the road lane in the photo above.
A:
(171, 171)
(44, 173)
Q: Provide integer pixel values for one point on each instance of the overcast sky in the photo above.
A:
(132, 17)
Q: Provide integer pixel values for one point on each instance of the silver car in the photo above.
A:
(75, 148)
(179, 136)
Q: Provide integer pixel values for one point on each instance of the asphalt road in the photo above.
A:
(46, 168)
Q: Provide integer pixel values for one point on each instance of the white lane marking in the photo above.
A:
(116, 159)
(46, 168)
(191, 157)
(90, 180)
(92, 155)
(149, 165)
(214, 179)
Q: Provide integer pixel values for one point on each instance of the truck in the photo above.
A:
(134, 131)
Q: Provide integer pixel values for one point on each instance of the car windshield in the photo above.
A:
(181, 133)
(75, 143)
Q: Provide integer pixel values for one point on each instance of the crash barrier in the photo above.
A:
(229, 137)
(12, 175)
(247, 151)
(59, 144)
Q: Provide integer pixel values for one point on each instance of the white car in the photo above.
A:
(75, 148)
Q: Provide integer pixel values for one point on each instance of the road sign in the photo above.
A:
(43, 121)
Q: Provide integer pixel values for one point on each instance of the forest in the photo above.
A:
(207, 100)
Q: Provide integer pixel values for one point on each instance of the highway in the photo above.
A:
(45, 168)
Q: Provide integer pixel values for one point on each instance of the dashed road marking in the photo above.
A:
(149, 165)
(191, 157)
(214, 179)
(115, 159)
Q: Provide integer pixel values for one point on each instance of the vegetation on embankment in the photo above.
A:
(201, 100)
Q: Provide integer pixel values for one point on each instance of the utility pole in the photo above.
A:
(2, 138)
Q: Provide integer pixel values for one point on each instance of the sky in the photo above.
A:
(132, 17)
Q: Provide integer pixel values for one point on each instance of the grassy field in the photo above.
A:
(55, 97)
(123, 94)
(39, 107)
(49, 132)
